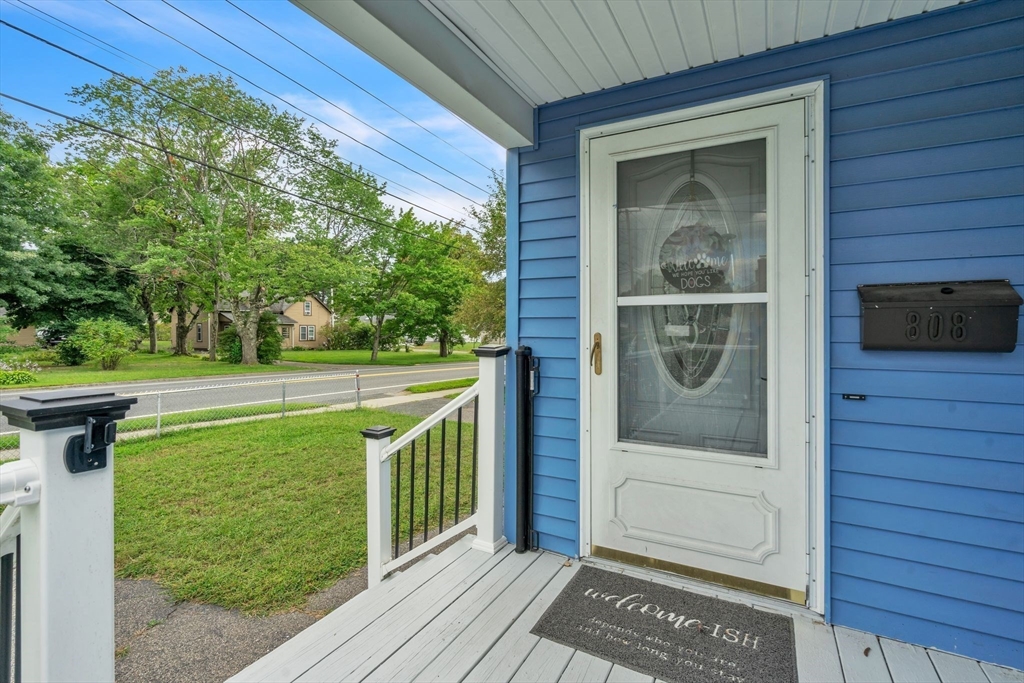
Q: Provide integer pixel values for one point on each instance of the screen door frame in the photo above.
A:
(813, 93)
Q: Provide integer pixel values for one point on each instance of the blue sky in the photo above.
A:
(40, 74)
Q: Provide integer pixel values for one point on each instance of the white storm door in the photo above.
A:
(698, 421)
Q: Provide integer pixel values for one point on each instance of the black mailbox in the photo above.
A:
(940, 316)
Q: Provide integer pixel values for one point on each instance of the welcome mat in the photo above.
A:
(669, 633)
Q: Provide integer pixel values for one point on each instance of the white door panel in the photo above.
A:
(697, 287)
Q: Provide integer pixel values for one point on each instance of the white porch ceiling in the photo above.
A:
(484, 55)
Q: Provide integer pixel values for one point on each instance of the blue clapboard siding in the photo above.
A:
(926, 172)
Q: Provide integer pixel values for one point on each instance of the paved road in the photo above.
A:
(327, 386)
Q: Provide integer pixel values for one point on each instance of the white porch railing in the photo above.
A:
(385, 513)
(57, 537)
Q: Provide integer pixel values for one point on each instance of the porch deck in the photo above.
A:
(465, 615)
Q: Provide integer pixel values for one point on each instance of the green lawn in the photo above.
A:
(259, 515)
(383, 358)
(144, 366)
(441, 386)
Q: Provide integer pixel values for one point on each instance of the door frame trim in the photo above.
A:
(814, 94)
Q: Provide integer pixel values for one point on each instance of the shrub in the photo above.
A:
(70, 353)
(43, 357)
(356, 335)
(13, 373)
(109, 341)
(268, 342)
(6, 330)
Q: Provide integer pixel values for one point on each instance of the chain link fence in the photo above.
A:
(168, 409)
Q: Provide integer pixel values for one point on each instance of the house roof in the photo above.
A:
(281, 319)
(491, 62)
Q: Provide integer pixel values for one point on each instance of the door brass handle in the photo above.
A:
(595, 353)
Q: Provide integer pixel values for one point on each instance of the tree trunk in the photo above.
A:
(377, 326)
(147, 308)
(247, 324)
(181, 326)
(249, 346)
(442, 342)
(214, 322)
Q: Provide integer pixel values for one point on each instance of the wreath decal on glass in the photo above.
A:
(696, 258)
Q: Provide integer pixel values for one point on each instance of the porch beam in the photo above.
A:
(413, 42)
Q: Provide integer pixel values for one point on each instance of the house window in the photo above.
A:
(285, 333)
(302, 333)
(199, 332)
(312, 333)
(307, 308)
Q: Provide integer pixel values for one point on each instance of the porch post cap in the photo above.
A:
(378, 432)
(491, 351)
(45, 410)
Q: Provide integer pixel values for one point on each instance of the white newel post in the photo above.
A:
(67, 546)
(490, 421)
(378, 503)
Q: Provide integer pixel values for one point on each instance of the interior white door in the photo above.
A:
(698, 389)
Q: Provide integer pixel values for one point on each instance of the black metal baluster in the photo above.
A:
(476, 422)
(17, 609)
(444, 439)
(426, 490)
(6, 616)
(458, 464)
(412, 489)
(398, 495)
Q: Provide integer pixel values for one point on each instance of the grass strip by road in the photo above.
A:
(196, 417)
(9, 441)
(259, 515)
(383, 358)
(144, 366)
(442, 385)
(190, 417)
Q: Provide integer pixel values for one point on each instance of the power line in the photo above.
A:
(214, 167)
(155, 69)
(215, 117)
(353, 83)
(293, 105)
(314, 93)
(290, 104)
(37, 10)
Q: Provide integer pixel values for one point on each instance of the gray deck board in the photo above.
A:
(817, 659)
(1000, 674)
(908, 663)
(410, 659)
(503, 660)
(584, 668)
(620, 674)
(861, 654)
(546, 663)
(466, 615)
(371, 647)
(464, 653)
(953, 669)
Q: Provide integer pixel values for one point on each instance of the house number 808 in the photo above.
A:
(935, 325)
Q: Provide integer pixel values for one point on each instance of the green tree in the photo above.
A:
(408, 279)
(482, 311)
(120, 210)
(220, 235)
(50, 276)
(440, 275)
